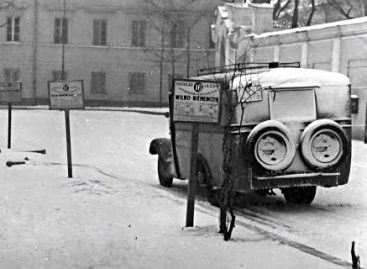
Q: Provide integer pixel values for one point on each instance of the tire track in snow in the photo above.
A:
(247, 218)
(282, 239)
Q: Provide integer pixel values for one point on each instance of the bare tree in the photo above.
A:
(279, 7)
(174, 21)
(296, 13)
(345, 7)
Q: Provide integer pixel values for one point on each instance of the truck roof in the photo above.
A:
(282, 78)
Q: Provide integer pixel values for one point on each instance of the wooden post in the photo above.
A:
(193, 176)
(68, 143)
(9, 125)
(355, 259)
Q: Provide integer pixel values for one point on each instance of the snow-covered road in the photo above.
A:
(113, 213)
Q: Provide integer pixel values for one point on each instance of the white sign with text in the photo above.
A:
(66, 94)
(196, 101)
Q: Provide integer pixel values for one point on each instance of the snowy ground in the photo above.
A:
(113, 213)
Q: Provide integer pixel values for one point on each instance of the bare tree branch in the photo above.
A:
(295, 14)
(282, 8)
(341, 9)
(313, 9)
(277, 6)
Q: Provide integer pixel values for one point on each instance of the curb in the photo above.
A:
(117, 109)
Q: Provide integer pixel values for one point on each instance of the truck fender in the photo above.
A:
(160, 146)
(163, 147)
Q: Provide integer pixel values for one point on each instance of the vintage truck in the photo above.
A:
(290, 128)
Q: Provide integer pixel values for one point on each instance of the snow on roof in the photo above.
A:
(237, 5)
(315, 27)
(293, 77)
(261, 5)
(246, 5)
(223, 12)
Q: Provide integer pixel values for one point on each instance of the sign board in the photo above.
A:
(196, 101)
(250, 93)
(10, 92)
(66, 94)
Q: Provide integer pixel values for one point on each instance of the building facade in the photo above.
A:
(126, 52)
(338, 47)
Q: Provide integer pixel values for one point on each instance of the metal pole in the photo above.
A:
(193, 176)
(9, 125)
(68, 143)
(35, 51)
(63, 42)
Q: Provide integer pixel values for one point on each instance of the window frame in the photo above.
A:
(61, 30)
(98, 82)
(99, 32)
(138, 33)
(11, 74)
(177, 34)
(211, 42)
(13, 29)
(137, 83)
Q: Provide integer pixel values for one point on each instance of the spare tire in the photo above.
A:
(271, 145)
(324, 144)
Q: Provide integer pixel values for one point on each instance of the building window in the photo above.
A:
(170, 80)
(138, 33)
(99, 32)
(98, 83)
(61, 31)
(136, 83)
(11, 75)
(177, 34)
(12, 29)
(57, 75)
(211, 43)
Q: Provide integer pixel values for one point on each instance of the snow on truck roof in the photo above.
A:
(284, 78)
(293, 77)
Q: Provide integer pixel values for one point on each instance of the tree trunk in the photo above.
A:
(188, 54)
(313, 8)
(295, 14)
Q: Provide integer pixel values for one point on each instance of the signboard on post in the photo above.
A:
(197, 102)
(10, 92)
(66, 94)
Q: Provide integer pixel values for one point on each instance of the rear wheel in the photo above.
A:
(213, 196)
(300, 195)
(165, 179)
